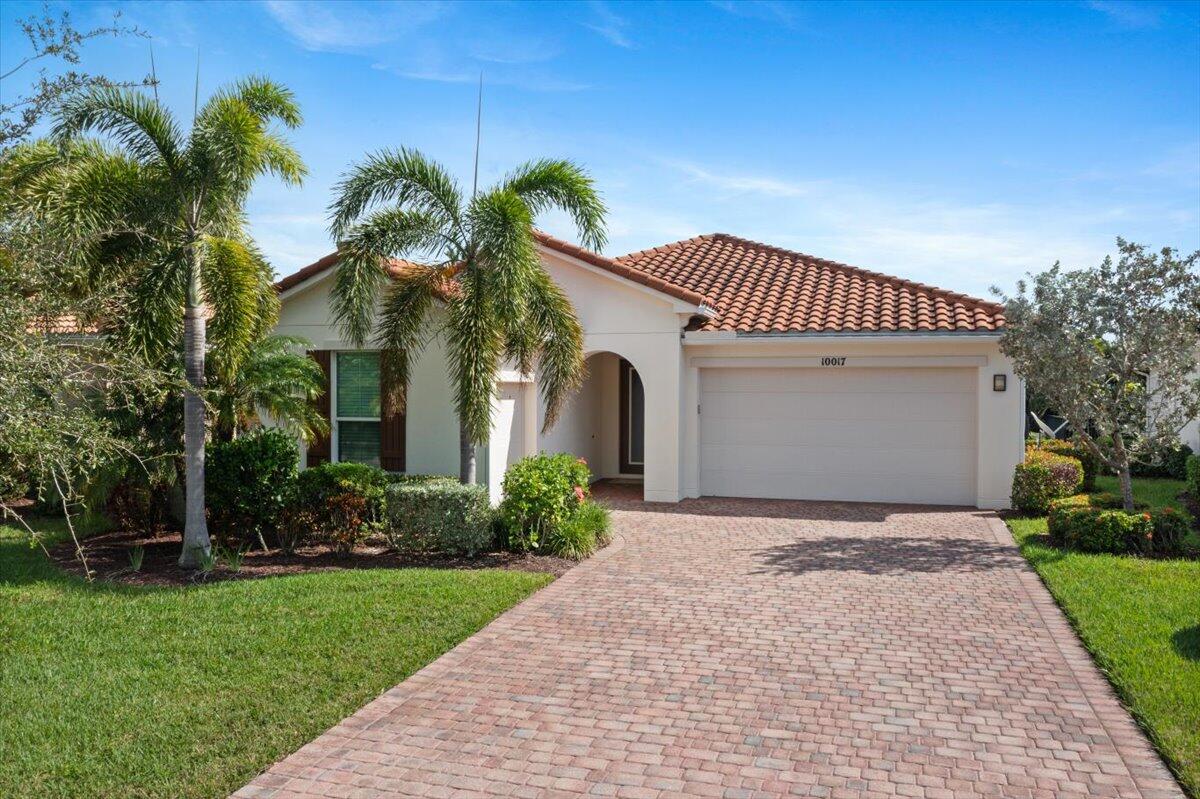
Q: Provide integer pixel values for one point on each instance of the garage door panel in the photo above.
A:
(833, 433)
(834, 406)
(833, 380)
(885, 435)
(771, 484)
(837, 460)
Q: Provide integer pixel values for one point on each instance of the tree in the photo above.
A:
(52, 38)
(170, 210)
(1113, 349)
(273, 376)
(479, 257)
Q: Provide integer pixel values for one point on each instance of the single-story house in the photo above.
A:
(717, 366)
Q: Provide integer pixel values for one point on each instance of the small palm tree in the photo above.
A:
(170, 211)
(479, 257)
(273, 376)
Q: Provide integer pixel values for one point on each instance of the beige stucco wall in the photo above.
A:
(431, 435)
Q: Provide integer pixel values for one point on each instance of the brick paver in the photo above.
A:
(737, 648)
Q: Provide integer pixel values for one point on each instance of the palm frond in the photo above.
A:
(231, 280)
(504, 249)
(404, 177)
(550, 183)
(154, 324)
(356, 285)
(402, 320)
(266, 99)
(560, 364)
(137, 122)
(397, 233)
(474, 342)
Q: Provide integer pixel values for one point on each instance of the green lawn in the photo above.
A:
(110, 691)
(1141, 621)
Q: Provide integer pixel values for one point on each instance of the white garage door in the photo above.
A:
(870, 435)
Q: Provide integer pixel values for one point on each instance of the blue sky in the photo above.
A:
(956, 144)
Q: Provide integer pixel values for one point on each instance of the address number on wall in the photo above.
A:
(833, 360)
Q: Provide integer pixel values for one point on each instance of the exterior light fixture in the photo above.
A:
(999, 382)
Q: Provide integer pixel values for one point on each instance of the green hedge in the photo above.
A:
(439, 515)
(541, 492)
(1043, 477)
(1091, 524)
(249, 482)
(1071, 448)
(342, 502)
(1193, 476)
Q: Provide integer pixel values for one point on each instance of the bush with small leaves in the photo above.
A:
(249, 481)
(540, 493)
(1043, 477)
(439, 515)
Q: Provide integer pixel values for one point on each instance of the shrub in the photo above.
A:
(1074, 449)
(541, 492)
(248, 483)
(136, 503)
(1170, 463)
(582, 533)
(439, 515)
(1170, 530)
(1192, 473)
(1043, 477)
(411, 479)
(343, 500)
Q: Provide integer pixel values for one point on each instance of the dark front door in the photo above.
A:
(633, 420)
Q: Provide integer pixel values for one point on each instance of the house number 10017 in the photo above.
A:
(833, 360)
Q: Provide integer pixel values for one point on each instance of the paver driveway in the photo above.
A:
(735, 648)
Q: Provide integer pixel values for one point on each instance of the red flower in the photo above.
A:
(579, 493)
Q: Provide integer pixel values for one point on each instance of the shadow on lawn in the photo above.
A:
(887, 555)
(1187, 642)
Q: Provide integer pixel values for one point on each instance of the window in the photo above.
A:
(633, 420)
(356, 407)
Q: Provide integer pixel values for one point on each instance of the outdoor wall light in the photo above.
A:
(999, 382)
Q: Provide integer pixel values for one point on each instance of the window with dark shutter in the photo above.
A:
(318, 450)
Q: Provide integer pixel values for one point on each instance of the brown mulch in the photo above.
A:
(108, 558)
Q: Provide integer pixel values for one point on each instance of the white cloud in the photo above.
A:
(744, 184)
(1127, 14)
(342, 27)
(767, 10)
(610, 25)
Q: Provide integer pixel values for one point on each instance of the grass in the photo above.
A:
(1141, 621)
(110, 690)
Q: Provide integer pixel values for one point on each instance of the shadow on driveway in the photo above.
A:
(886, 555)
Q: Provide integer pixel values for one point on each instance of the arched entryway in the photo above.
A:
(605, 421)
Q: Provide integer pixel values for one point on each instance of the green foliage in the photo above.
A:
(1096, 523)
(1171, 530)
(541, 492)
(274, 376)
(439, 515)
(343, 501)
(1169, 462)
(1043, 477)
(1077, 450)
(1192, 470)
(250, 482)
(478, 256)
(584, 531)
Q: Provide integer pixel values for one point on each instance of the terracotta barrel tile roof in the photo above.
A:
(757, 288)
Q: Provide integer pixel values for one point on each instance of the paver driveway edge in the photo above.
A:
(1145, 765)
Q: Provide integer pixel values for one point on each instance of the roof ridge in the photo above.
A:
(856, 269)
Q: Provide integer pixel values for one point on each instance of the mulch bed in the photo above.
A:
(108, 557)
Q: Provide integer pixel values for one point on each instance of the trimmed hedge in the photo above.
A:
(342, 501)
(1193, 476)
(249, 482)
(1044, 477)
(438, 515)
(1092, 524)
(541, 492)
(1073, 449)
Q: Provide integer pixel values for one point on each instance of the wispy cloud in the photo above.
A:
(345, 27)
(743, 183)
(609, 24)
(768, 10)
(1129, 14)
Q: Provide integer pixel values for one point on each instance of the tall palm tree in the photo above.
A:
(170, 206)
(479, 257)
(273, 376)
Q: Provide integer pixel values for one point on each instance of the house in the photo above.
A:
(717, 366)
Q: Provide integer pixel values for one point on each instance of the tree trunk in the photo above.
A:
(1123, 473)
(466, 457)
(195, 530)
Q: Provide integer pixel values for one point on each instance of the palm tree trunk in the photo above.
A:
(195, 530)
(466, 457)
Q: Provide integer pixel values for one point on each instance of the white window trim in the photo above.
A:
(334, 420)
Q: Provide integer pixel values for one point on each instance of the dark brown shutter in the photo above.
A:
(391, 428)
(318, 450)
